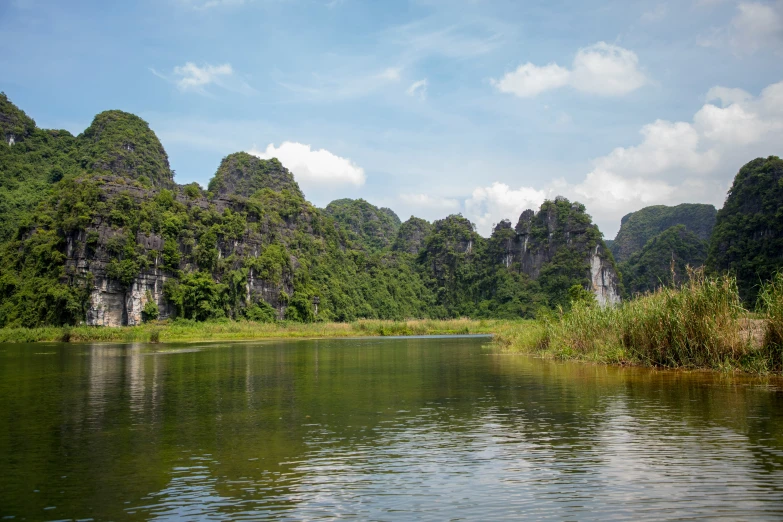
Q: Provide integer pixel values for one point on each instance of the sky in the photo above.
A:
(429, 107)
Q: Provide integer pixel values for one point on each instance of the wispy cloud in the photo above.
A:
(431, 36)
(209, 4)
(351, 85)
(656, 14)
(195, 78)
(418, 89)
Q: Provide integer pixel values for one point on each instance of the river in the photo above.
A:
(376, 429)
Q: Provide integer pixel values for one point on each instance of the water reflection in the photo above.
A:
(377, 429)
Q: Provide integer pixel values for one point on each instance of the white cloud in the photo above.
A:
(427, 202)
(678, 162)
(602, 69)
(756, 26)
(666, 147)
(391, 73)
(727, 95)
(489, 205)
(418, 89)
(530, 80)
(191, 77)
(606, 70)
(313, 167)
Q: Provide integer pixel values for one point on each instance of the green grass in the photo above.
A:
(701, 324)
(244, 330)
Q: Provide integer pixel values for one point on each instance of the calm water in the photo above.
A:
(382, 429)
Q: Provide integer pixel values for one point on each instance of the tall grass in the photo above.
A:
(771, 301)
(701, 324)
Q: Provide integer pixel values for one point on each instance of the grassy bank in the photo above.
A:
(701, 324)
(240, 330)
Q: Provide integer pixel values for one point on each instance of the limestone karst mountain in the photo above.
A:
(95, 230)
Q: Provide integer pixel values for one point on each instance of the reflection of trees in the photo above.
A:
(286, 425)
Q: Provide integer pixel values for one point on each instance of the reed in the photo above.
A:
(700, 324)
(771, 304)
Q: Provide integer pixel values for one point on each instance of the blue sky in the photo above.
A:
(429, 107)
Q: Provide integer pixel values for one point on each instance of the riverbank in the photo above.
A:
(248, 330)
(700, 325)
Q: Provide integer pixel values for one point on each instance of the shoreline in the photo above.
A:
(190, 331)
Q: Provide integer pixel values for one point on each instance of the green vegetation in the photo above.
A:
(188, 330)
(94, 225)
(700, 324)
(411, 235)
(369, 226)
(663, 261)
(37, 160)
(122, 144)
(637, 228)
(748, 236)
(243, 174)
(89, 222)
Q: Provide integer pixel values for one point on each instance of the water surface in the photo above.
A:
(376, 429)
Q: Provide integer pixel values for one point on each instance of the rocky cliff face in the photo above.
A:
(120, 299)
(559, 240)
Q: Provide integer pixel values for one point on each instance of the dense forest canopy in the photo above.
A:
(93, 229)
(637, 228)
(748, 235)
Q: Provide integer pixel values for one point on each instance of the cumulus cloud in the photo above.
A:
(418, 89)
(665, 147)
(530, 80)
(678, 162)
(727, 95)
(314, 167)
(757, 25)
(195, 78)
(602, 69)
(489, 205)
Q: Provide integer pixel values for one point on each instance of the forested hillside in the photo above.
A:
(748, 235)
(663, 261)
(637, 228)
(94, 229)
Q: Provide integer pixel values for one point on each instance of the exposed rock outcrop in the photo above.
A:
(560, 239)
